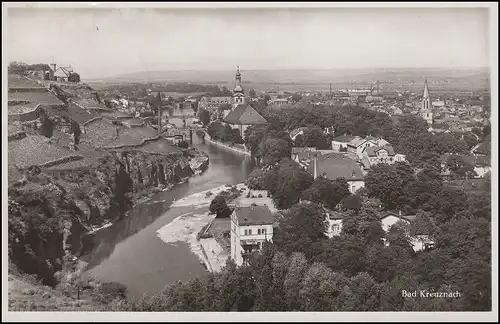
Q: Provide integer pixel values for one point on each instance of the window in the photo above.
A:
(246, 232)
(263, 231)
(353, 188)
(258, 231)
(249, 232)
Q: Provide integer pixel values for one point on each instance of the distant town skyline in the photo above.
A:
(110, 42)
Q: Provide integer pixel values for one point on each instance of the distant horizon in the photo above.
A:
(123, 75)
(102, 43)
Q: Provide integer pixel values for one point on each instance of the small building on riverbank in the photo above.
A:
(251, 226)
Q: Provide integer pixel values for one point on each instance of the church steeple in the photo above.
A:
(426, 111)
(426, 100)
(238, 88)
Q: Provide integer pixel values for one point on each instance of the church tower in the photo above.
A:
(426, 110)
(238, 92)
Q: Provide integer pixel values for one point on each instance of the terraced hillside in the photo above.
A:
(73, 168)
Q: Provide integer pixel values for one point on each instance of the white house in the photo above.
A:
(339, 143)
(419, 242)
(250, 227)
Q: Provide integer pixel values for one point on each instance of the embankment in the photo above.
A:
(226, 146)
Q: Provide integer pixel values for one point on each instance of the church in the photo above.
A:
(426, 110)
(241, 115)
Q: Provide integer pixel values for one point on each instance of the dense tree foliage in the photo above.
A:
(219, 207)
(313, 137)
(21, 67)
(327, 192)
(204, 117)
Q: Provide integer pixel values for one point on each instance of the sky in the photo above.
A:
(110, 42)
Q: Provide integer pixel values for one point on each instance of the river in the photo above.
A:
(130, 252)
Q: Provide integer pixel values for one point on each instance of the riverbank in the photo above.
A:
(226, 146)
(186, 227)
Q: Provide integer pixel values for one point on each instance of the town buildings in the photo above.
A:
(387, 219)
(251, 226)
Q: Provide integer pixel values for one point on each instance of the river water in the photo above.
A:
(130, 252)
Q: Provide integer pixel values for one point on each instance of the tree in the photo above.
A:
(293, 281)
(302, 221)
(296, 97)
(216, 130)
(388, 182)
(287, 183)
(272, 150)
(460, 167)
(351, 202)
(363, 294)
(74, 77)
(327, 192)
(252, 93)
(204, 117)
(256, 180)
(183, 144)
(219, 207)
(321, 289)
(225, 91)
(313, 137)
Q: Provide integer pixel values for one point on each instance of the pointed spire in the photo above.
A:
(426, 90)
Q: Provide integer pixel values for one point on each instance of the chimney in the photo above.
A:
(315, 166)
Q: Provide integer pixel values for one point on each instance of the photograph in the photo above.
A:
(244, 161)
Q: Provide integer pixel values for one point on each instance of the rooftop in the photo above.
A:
(34, 150)
(254, 215)
(244, 115)
(132, 136)
(80, 115)
(21, 102)
(336, 165)
(372, 151)
(344, 138)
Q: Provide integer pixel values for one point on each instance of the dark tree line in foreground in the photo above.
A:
(304, 270)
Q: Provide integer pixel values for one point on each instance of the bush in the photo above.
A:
(256, 180)
(183, 144)
(106, 292)
(219, 207)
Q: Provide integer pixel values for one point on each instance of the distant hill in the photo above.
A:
(301, 76)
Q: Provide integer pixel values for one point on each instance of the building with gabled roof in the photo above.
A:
(242, 117)
(335, 165)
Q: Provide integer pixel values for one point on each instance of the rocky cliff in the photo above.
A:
(50, 211)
